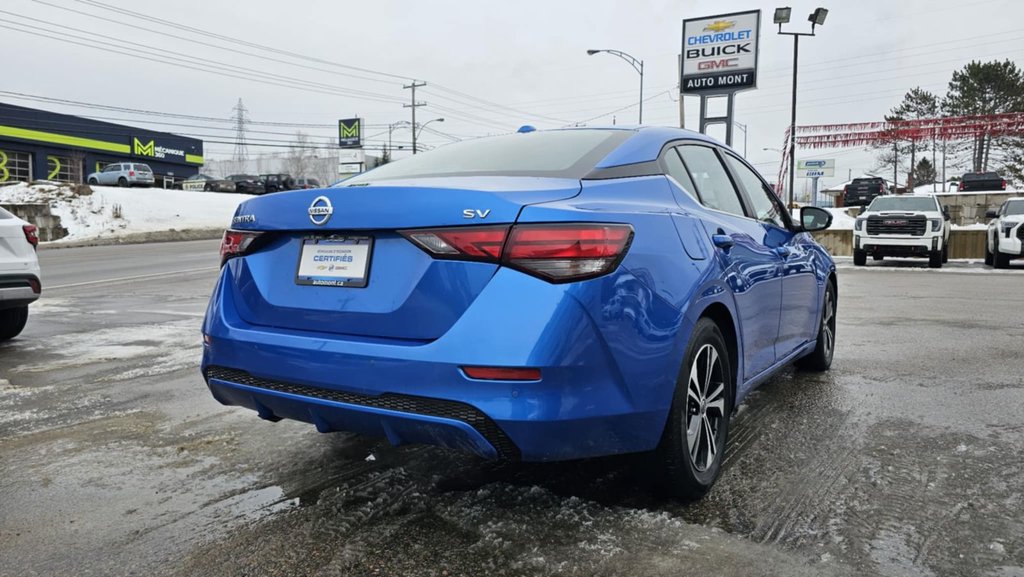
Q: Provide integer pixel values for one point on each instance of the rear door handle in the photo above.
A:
(722, 241)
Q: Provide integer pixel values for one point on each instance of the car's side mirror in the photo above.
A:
(813, 218)
(991, 214)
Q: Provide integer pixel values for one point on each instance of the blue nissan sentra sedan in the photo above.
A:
(538, 296)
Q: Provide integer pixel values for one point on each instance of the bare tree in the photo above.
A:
(300, 158)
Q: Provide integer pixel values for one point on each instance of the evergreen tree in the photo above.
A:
(987, 88)
(924, 172)
(917, 104)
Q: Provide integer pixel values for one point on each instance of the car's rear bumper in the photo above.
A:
(416, 392)
(17, 290)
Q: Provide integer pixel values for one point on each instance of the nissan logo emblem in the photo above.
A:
(320, 210)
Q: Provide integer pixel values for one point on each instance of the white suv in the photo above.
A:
(902, 226)
(19, 273)
(123, 174)
(1005, 238)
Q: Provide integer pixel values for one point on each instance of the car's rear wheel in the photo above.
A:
(122, 182)
(860, 258)
(93, 181)
(693, 443)
(821, 358)
(12, 321)
(207, 187)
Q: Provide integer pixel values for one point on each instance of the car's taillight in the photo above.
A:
(236, 243)
(556, 252)
(131, 173)
(1004, 184)
(31, 234)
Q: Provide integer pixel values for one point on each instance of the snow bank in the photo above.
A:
(841, 220)
(111, 212)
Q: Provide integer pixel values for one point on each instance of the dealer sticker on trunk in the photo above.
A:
(342, 262)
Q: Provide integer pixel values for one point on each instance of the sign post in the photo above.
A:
(719, 59)
(815, 169)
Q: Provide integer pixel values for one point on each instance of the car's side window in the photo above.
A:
(675, 168)
(712, 181)
(766, 207)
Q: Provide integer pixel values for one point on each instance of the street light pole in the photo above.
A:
(817, 18)
(637, 65)
(424, 125)
(742, 127)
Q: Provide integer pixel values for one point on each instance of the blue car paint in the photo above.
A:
(609, 349)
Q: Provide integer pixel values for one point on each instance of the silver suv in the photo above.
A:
(123, 174)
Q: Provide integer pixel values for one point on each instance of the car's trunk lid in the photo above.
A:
(408, 294)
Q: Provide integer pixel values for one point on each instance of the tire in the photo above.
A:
(207, 187)
(945, 253)
(93, 181)
(935, 259)
(989, 259)
(877, 257)
(12, 321)
(122, 182)
(821, 358)
(860, 258)
(693, 444)
(999, 259)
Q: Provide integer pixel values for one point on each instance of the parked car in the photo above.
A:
(278, 182)
(247, 184)
(902, 226)
(861, 191)
(20, 278)
(1005, 238)
(123, 174)
(982, 182)
(539, 297)
(208, 183)
(305, 183)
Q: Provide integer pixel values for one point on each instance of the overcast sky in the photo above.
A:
(508, 63)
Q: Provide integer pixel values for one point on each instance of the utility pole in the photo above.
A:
(414, 105)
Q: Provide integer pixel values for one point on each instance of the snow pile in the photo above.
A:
(841, 219)
(113, 212)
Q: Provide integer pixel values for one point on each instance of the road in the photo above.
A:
(906, 459)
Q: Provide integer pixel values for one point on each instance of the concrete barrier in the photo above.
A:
(39, 215)
(962, 243)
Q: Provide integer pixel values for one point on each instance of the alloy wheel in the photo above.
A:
(705, 407)
(828, 323)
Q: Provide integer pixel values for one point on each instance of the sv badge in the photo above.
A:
(477, 213)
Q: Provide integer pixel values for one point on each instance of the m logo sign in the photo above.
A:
(350, 132)
(144, 149)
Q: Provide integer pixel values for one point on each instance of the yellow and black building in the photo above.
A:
(42, 145)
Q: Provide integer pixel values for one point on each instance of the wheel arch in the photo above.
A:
(723, 318)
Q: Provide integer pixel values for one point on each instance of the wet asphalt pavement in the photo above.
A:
(906, 459)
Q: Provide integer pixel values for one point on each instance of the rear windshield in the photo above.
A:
(143, 168)
(867, 181)
(1015, 207)
(4, 214)
(905, 203)
(981, 176)
(554, 153)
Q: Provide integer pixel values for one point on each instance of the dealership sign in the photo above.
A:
(720, 52)
(350, 132)
(815, 168)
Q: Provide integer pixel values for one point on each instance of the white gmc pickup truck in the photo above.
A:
(902, 226)
(1005, 238)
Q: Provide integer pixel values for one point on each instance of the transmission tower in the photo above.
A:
(241, 154)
